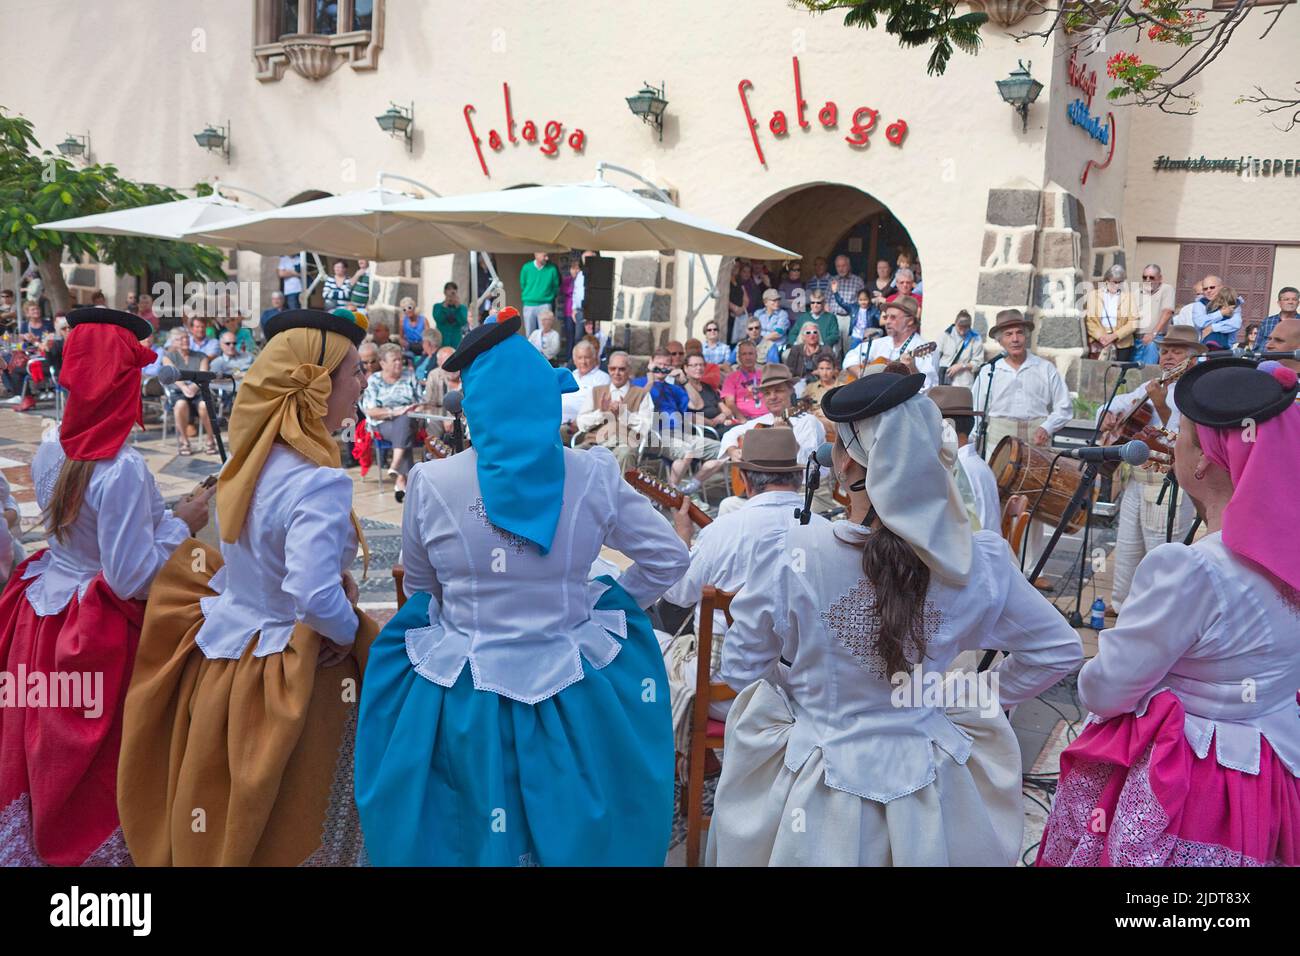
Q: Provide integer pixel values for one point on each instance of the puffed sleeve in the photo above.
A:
(132, 547)
(642, 534)
(319, 528)
(1174, 599)
(1042, 648)
(419, 574)
(763, 623)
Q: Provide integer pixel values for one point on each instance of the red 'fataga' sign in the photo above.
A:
(865, 119)
(548, 138)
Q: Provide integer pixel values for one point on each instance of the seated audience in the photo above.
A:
(391, 395)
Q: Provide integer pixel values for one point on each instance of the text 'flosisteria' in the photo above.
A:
(865, 119)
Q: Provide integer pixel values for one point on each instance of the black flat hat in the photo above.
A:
(869, 396)
(1224, 393)
(481, 338)
(96, 315)
(347, 325)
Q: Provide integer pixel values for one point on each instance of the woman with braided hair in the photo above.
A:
(849, 754)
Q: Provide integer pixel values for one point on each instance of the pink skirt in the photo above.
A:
(1133, 792)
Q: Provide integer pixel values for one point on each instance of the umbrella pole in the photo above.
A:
(473, 282)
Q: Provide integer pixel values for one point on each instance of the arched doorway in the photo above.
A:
(821, 220)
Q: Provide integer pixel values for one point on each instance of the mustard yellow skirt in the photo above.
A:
(236, 762)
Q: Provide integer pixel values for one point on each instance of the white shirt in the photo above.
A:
(726, 550)
(639, 421)
(288, 563)
(1205, 624)
(1184, 315)
(579, 289)
(884, 347)
(292, 284)
(1109, 309)
(1123, 404)
(1035, 390)
(548, 343)
(809, 432)
(572, 403)
(122, 530)
(983, 485)
(525, 633)
(809, 604)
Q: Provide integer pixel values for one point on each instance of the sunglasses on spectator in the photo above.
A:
(810, 332)
(1152, 278)
(676, 353)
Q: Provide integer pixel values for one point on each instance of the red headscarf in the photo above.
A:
(101, 371)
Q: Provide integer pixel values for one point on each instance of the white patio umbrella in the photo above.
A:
(358, 225)
(591, 215)
(164, 220)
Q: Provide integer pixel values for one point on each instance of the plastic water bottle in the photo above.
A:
(1098, 619)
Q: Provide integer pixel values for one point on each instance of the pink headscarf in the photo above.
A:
(1260, 520)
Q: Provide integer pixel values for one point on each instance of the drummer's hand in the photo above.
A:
(350, 588)
(331, 653)
(1041, 437)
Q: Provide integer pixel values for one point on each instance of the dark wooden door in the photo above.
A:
(1246, 267)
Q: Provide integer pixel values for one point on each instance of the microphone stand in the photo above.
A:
(988, 395)
(214, 417)
(1077, 501)
(1171, 486)
(811, 479)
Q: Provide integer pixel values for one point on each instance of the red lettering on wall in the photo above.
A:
(742, 86)
(548, 137)
(1078, 75)
(799, 103)
(865, 118)
(478, 143)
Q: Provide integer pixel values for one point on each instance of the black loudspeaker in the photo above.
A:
(598, 297)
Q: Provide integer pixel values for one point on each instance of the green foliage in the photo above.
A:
(912, 23)
(39, 186)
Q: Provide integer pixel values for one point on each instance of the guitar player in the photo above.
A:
(1143, 524)
(901, 319)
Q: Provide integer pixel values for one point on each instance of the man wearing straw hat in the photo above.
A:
(1143, 511)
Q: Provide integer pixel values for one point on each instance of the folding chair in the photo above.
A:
(706, 733)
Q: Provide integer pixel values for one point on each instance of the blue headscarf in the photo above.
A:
(512, 404)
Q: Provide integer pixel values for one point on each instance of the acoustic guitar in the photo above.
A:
(670, 498)
(801, 406)
(921, 351)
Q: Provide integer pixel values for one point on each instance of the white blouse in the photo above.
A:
(1212, 628)
(288, 563)
(122, 529)
(523, 621)
(810, 604)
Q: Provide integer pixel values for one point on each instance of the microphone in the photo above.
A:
(1134, 453)
(1294, 354)
(823, 454)
(170, 375)
(451, 403)
(873, 333)
(1128, 365)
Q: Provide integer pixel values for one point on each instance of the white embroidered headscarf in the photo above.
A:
(910, 483)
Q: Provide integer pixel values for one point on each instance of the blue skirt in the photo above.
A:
(455, 776)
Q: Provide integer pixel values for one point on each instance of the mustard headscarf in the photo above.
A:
(283, 397)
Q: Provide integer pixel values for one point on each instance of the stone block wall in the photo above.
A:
(643, 302)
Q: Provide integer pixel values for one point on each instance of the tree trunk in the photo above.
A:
(56, 289)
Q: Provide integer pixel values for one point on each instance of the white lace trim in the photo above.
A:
(18, 847)
(439, 653)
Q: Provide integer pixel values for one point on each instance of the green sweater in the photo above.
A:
(539, 286)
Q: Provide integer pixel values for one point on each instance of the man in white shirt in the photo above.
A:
(616, 415)
(1028, 400)
(1155, 304)
(1143, 518)
(777, 388)
(975, 481)
(291, 280)
(588, 375)
(725, 551)
(900, 318)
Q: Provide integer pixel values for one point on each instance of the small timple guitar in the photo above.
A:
(921, 351)
(670, 498)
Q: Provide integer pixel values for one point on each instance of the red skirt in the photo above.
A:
(1133, 792)
(63, 682)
